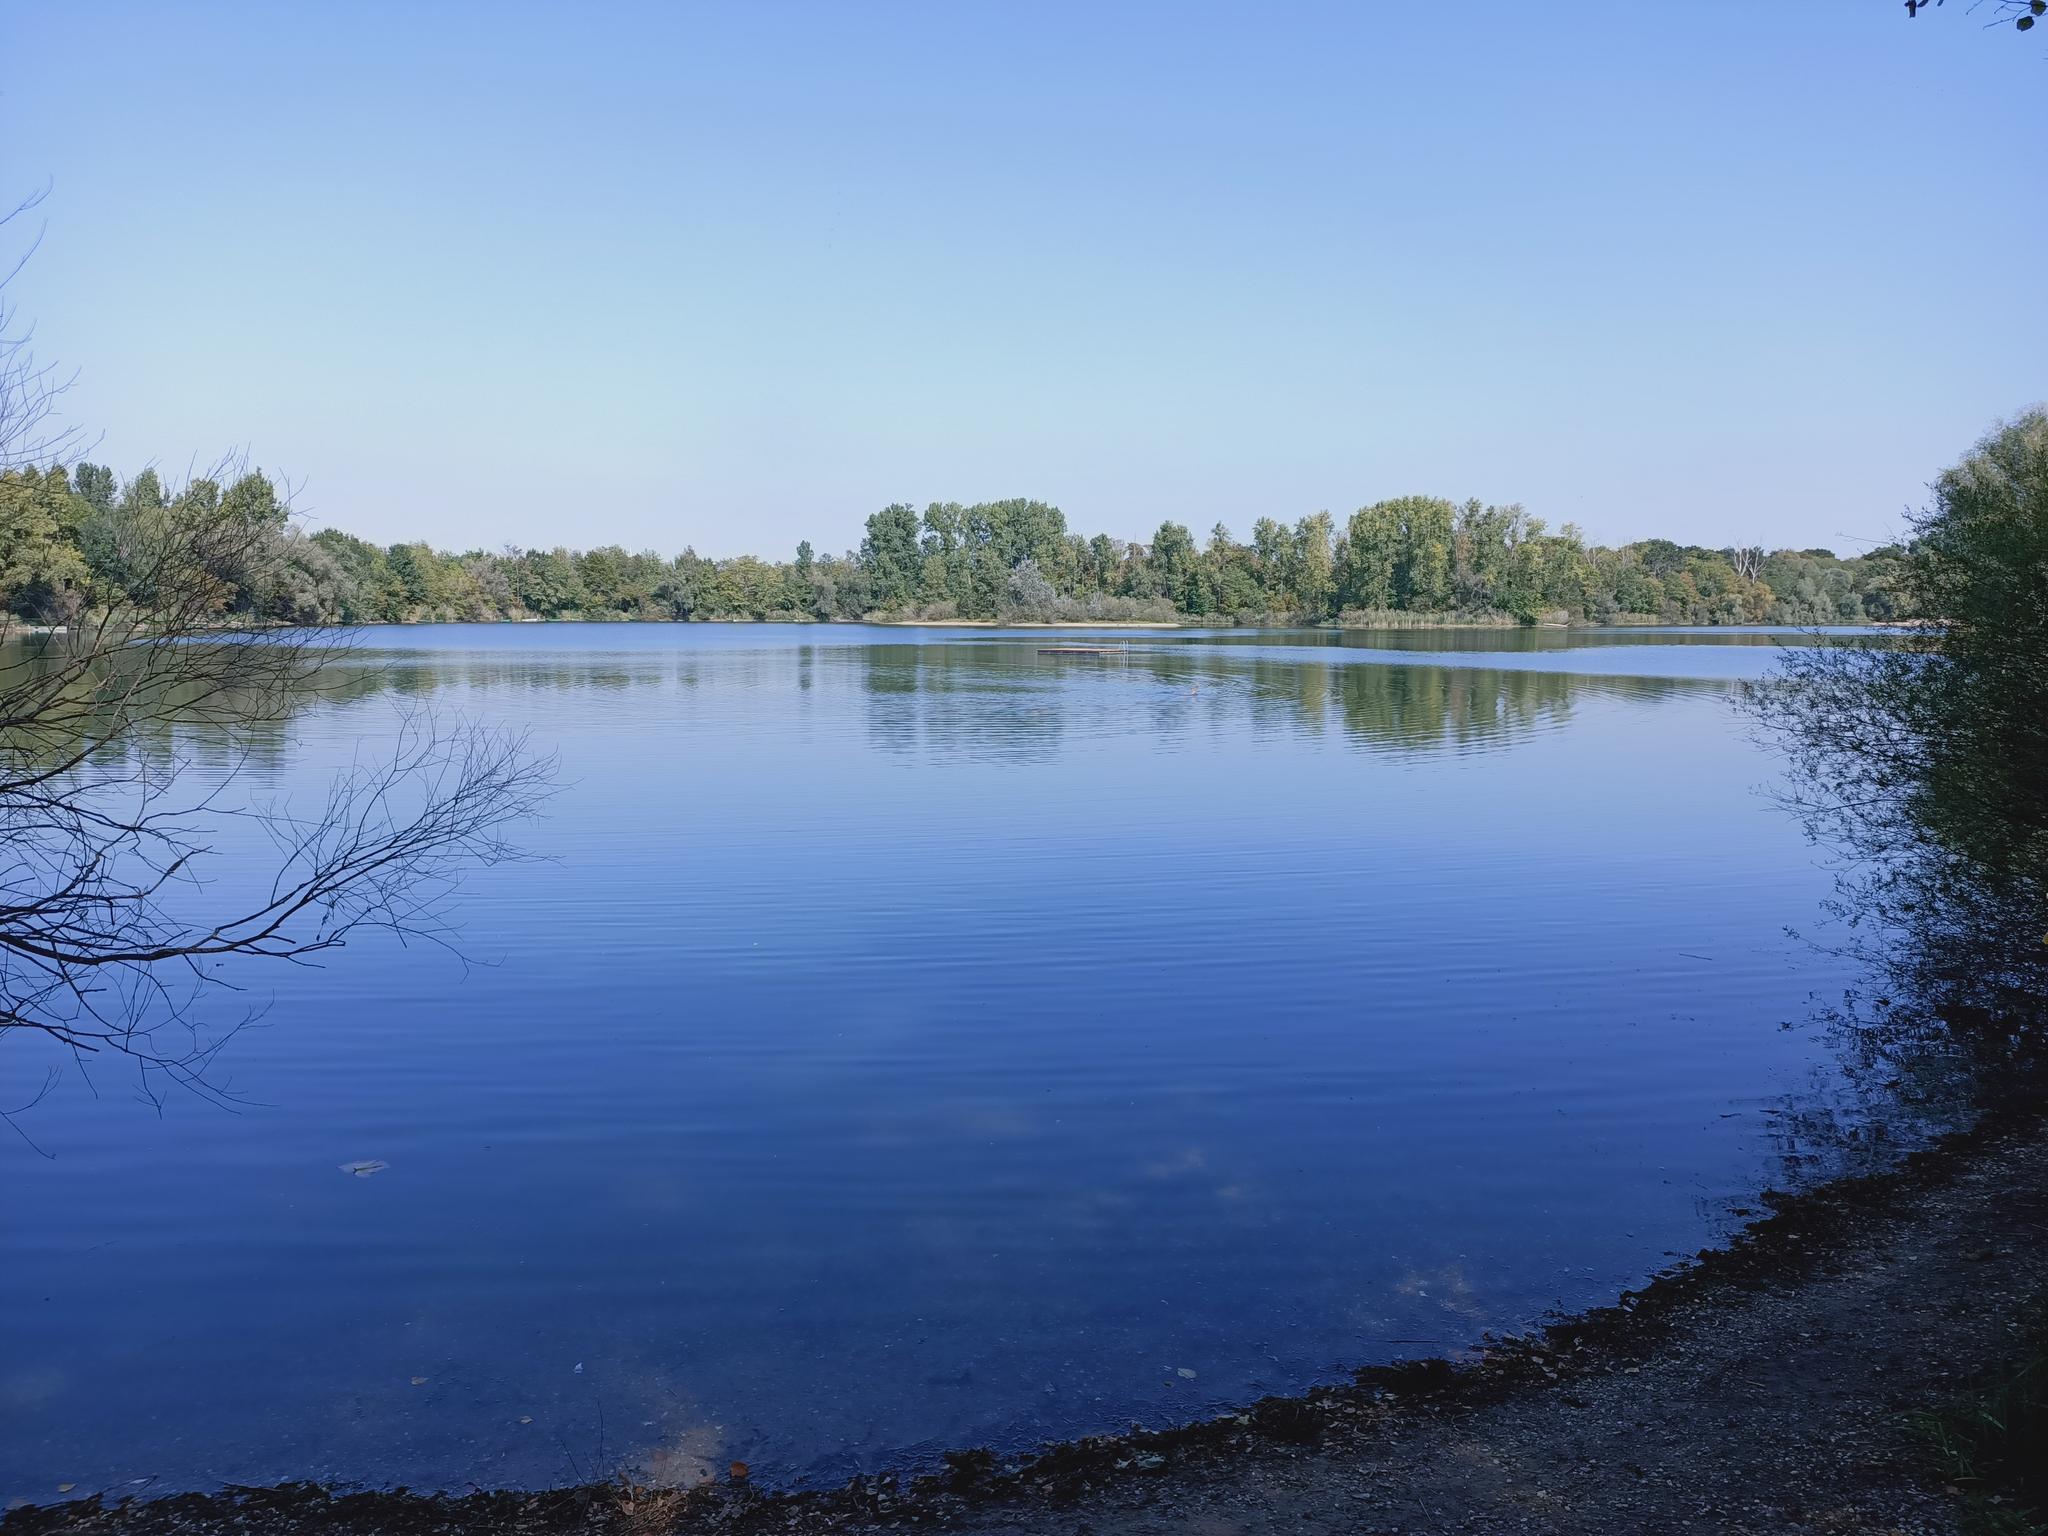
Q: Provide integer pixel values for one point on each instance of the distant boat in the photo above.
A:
(1080, 650)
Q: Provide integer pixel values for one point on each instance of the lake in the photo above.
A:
(905, 1040)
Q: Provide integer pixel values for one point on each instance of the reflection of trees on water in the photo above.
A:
(1006, 703)
(1505, 638)
(985, 702)
(1001, 701)
(978, 701)
(1918, 1050)
(1909, 1060)
(1424, 708)
(988, 701)
(94, 707)
(971, 702)
(1944, 1025)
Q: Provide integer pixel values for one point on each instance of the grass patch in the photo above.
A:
(1992, 1443)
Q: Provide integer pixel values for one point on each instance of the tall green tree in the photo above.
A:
(1174, 565)
(1372, 548)
(1271, 548)
(1311, 565)
(1422, 577)
(890, 554)
(95, 485)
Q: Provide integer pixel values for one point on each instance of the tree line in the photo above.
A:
(67, 537)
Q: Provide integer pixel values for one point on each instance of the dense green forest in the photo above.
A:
(65, 538)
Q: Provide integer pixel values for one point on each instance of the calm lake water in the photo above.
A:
(913, 1041)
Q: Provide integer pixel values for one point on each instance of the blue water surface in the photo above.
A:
(904, 1039)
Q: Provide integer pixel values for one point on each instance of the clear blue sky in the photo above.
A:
(735, 275)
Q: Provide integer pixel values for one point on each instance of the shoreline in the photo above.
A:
(1765, 1277)
(12, 628)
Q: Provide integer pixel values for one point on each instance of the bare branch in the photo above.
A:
(124, 736)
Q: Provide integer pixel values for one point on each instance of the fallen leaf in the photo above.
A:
(66, 1487)
(419, 1381)
(364, 1167)
(526, 1418)
(1186, 1373)
(739, 1471)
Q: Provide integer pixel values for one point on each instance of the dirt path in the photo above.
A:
(1762, 1391)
